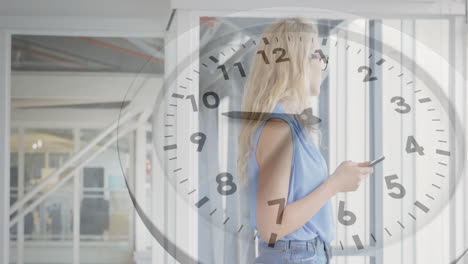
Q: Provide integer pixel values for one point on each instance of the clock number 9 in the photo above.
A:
(279, 218)
(401, 102)
(224, 181)
(391, 185)
(200, 139)
(206, 101)
(345, 217)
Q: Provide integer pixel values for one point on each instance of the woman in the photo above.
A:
(287, 177)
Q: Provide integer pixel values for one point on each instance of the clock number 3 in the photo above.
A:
(279, 218)
(404, 107)
(224, 181)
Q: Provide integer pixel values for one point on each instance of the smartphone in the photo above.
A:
(377, 161)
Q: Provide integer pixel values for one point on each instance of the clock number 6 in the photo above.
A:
(401, 102)
(345, 217)
(391, 185)
(279, 218)
(224, 181)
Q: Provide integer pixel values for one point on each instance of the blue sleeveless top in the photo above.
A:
(308, 171)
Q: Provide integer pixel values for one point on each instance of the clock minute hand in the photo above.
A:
(305, 116)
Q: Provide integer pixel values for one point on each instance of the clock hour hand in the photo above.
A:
(306, 116)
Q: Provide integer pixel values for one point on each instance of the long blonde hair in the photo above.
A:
(268, 83)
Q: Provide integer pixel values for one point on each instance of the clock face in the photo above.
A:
(415, 127)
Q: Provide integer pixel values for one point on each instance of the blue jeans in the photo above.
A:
(313, 251)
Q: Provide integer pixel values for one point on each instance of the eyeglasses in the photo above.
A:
(318, 54)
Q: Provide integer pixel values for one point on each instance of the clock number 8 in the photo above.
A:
(224, 181)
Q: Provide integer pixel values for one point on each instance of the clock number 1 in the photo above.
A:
(279, 218)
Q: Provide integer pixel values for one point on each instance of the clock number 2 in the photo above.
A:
(279, 218)
(368, 77)
(225, 181)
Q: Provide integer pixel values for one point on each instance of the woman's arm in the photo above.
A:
(274, 156)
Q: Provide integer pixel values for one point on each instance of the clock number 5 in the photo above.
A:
(404, 107)
(279, 218)
(389, 180)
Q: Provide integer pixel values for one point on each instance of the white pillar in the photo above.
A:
(5, 43)
(20, 225)
(76, 202)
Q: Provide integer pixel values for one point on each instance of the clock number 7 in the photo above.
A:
(279, 218)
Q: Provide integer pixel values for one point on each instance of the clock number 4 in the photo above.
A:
(279, 218)
(389, 181)
(413, 146)
(281, 57)
(225, 73)
(368, 77)
(209, 103)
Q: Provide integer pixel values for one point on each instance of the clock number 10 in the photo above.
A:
(210, 100)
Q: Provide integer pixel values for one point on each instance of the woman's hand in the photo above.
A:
(349, 175)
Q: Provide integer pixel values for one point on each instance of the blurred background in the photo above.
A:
(78, 82)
